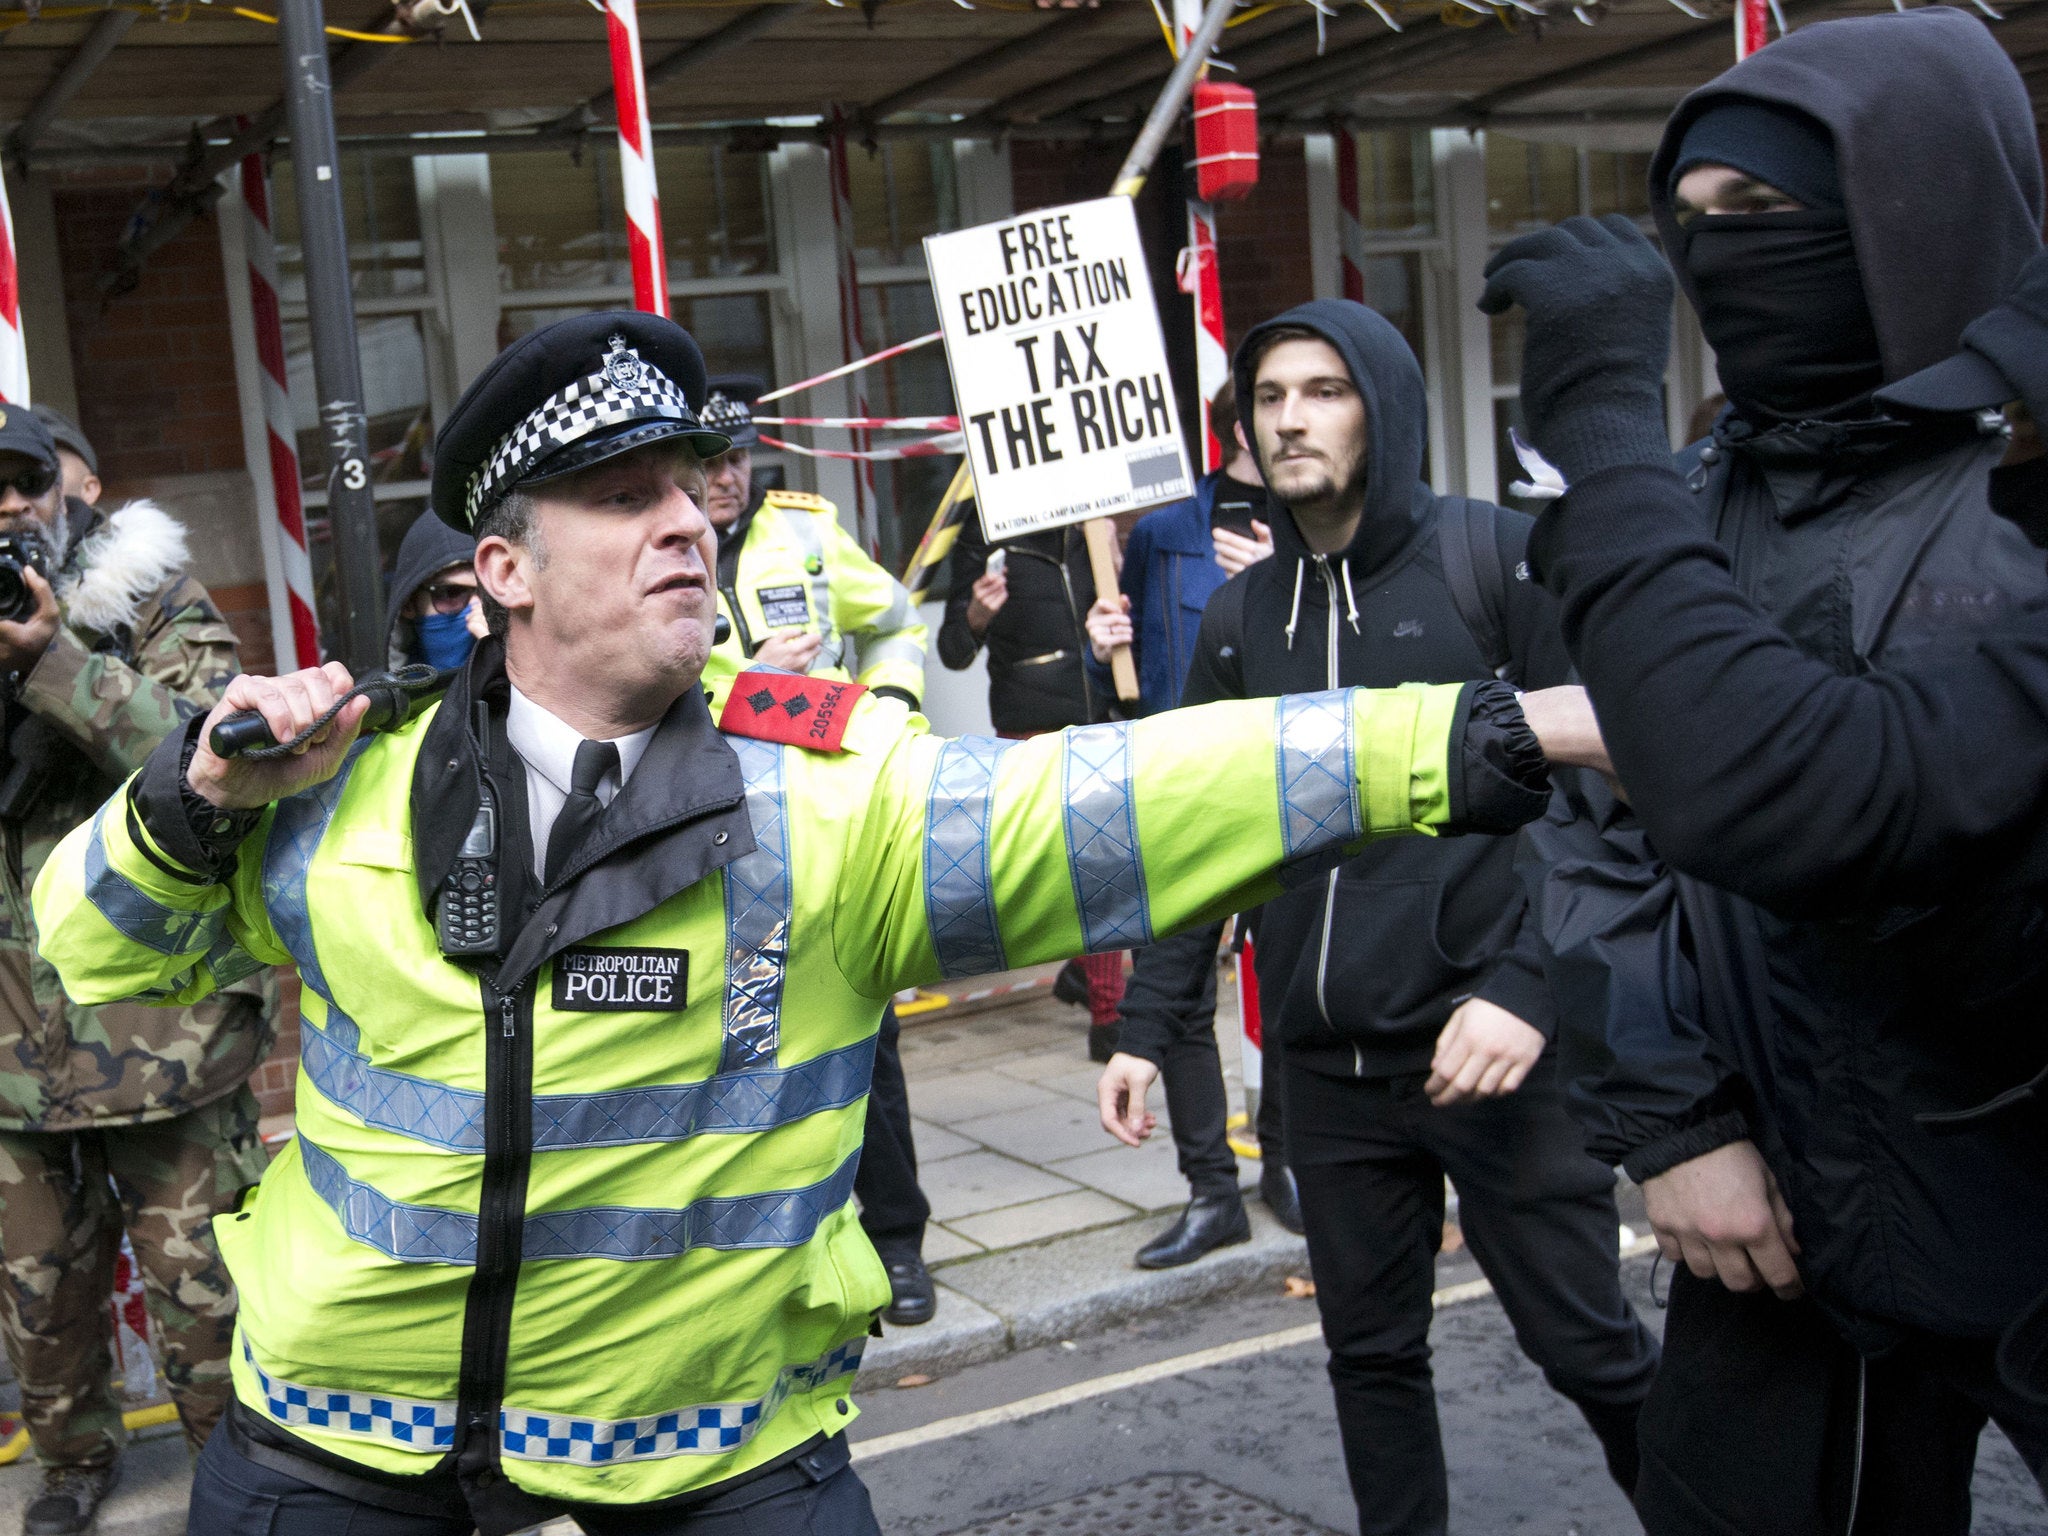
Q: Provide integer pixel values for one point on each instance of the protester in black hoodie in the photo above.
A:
(1402, 982)
(1783, 1099)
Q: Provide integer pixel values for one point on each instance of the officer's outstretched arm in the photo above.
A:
(979, 855)
(146, 900)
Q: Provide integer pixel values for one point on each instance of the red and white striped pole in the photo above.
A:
(1350, 229)
(294, 630)
(1752, 26)
(13, 350)
(636, 160)
(1205, 282)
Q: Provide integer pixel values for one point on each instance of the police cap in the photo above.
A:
(730, 408)
(563, 398)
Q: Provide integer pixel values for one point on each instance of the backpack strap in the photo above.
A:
(1468, 538)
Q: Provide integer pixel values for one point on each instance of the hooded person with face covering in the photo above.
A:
(1796, 1092)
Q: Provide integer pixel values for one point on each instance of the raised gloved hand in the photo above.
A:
(1598, 299)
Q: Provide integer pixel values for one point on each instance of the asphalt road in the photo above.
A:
(1085, 1434)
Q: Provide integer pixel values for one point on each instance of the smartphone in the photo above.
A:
(1236, 512)
(997, 559)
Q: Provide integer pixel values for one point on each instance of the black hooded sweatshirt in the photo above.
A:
(1360, 965)
(1696, 1016)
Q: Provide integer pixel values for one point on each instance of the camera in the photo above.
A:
(21, 550)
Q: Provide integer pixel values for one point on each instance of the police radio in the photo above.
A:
(467, 923)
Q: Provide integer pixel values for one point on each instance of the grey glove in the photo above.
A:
(1598, 298)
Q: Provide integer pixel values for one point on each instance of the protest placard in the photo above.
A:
(1059, 367)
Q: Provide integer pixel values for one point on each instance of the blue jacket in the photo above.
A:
(1170, 571)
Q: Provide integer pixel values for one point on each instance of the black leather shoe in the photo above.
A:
(1276, 1188)
(1214, 1222)
(912, 1298)
(1071, 984)
(71, 1496)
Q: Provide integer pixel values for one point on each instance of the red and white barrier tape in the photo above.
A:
(294, 630)
(636, 160)
(1350, 230)
(928, 448)
(855, 366)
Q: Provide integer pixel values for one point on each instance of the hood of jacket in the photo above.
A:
(1388, 378)
(117, 562)
(429, 547)
(1939, 164)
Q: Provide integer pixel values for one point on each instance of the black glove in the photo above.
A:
(1598, 297)
(2013, 338)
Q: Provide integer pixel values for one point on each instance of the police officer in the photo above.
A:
(118, 1118)
(790, 583)
(592, 983)
(794, 584)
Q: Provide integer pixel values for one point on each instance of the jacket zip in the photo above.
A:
(501, 1212)
(1330, 891)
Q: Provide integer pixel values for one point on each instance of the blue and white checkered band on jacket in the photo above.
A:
(724, 414)
(623, 388)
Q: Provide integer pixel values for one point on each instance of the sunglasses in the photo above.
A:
(449, 596)
(33, 482)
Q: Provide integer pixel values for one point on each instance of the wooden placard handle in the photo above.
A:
(1101, 535)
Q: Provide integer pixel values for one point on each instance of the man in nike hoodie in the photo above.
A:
(1403, 982)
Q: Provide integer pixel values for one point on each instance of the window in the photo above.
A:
(1396, 189)
(900, 192)
(1396, 185)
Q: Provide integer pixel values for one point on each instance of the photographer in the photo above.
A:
(122, 1117)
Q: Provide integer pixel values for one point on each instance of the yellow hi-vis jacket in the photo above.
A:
(798, 568)
(639, 1206)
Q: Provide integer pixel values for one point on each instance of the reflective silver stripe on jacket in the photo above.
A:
(296, 828)
(1318, 765)
(442, 1116)
(1102, 838)
(424, 1234)
(959, 901)
(758, 899)
(139, 915)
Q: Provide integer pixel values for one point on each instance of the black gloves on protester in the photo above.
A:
(1598, 297)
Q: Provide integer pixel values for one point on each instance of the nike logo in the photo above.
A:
(1408, 629)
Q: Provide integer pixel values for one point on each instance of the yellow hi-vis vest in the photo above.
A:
(693, 1288)
(800, 569)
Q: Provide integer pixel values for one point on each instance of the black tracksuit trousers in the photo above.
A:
(1369, 1156)
(1765, 1422)
(893, 1210)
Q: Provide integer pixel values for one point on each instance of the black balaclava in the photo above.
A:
(1781, 298)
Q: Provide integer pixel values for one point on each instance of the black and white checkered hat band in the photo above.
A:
(722, 413)
(571, 414)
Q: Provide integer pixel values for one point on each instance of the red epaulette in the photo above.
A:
(788, 707)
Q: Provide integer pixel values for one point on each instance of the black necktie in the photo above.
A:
(580, 811)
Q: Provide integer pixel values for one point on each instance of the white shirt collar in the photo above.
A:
(547, 744)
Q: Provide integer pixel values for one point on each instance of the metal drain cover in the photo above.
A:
(1166, 1504)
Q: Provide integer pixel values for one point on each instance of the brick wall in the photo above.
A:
(1262, 243)
(155, 367)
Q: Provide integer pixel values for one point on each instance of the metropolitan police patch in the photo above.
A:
(621, 980)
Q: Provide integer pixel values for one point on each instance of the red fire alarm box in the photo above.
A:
(1226, 141)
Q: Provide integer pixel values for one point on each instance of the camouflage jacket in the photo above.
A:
(139, 651)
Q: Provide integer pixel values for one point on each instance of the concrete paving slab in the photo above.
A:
(1147, 1177)
(962, 1332)
(1040, 1219)
(942, 1244)
(985, 1181)
(1084, 1283)
(1074, 1083)
(156, 1483)
(935, 1141)
(1039, 1065)
(955, 1096)
(1040, 1133)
